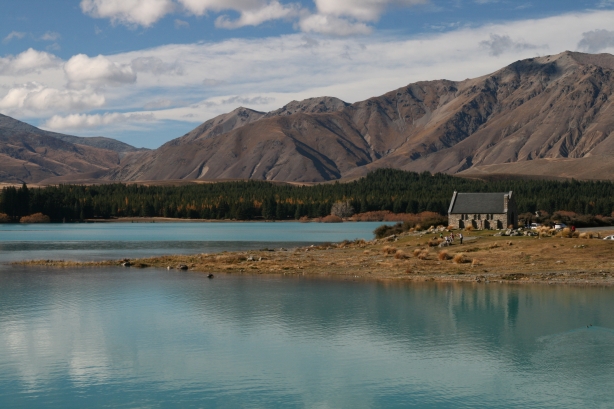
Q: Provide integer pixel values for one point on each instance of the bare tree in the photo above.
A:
(342, 209)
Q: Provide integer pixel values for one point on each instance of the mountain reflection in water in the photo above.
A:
(151, 338)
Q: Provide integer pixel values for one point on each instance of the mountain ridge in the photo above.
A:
(29, 154)
(517, 114)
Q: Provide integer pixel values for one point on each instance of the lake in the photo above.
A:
(132, 338)
(104, 241)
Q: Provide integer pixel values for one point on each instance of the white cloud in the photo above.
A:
(251, 12)
(156, 66)
(28, 61)
(80, 121)
(181, 24)
(271, 11)
(332, 25)
(159, 103)
(34, 97)
(499, 44)
(147, 12)
(362, 10)
(596, 40)
(336, 17)
(51, 36)
(348, 17)
(12, 35)
(257, 100)
(128, 12)
(82, 70)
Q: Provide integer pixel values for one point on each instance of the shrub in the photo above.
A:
(385, 231)
(459, 258)
(435, 242)
(566, 233)
(35, 218)
(443, 255)
(400, 255)
(332, 219)
(4, 218)
(304, 219)
(417, 252)
(389, 250)
(469, 228)
(424, 254)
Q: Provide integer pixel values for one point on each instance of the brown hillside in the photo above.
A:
(547, 116)
(29, 154)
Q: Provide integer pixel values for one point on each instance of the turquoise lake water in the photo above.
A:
(103, 241)
(131, 338)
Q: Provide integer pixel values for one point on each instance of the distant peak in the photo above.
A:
(570, 57)
(242, 108)
(310, 106)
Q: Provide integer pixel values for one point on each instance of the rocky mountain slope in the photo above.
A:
(29, 154)
(549, 116)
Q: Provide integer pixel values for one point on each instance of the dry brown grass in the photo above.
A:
(35, 218)
(435, 242)
(565, 233)
(459, 258)
(469, 228)
(417, 252)
(332, 219)
(475, 262)
(444, 255)
(4, 218)
(400, 255)
(424, 255)
(389, 250)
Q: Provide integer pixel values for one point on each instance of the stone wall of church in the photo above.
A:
(479, 221)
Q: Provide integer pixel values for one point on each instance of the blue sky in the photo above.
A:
(147, 71)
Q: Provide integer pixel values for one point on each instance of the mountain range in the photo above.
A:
(545, 117)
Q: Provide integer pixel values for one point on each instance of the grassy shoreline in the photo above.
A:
(408, 257)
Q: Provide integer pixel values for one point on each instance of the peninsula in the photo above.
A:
(411, 256)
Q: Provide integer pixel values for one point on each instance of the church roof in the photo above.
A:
(478, 203)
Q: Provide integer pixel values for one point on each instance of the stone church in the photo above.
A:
(494, 211)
